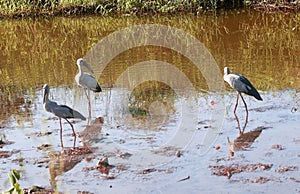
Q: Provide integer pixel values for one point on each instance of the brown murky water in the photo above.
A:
(263, 47)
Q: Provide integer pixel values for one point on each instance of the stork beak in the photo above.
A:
(226, 71)
(45, 93)
(44, 97)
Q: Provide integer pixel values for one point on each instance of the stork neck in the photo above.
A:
(45, 99)
(80, 70)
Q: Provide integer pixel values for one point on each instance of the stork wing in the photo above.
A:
(243, 85)
(245, 81)
(72, 113)
(62, 111)
(90, 82)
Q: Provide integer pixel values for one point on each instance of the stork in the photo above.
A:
(86, 81)
(242, 85)
(61, 111)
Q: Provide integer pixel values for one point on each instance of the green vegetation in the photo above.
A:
(17, 8)
(14, 177)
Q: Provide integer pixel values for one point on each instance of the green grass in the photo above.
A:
(103, 7)
(19, 8)
(23, 8)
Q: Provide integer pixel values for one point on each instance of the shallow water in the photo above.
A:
(163, 95)
(134, 151)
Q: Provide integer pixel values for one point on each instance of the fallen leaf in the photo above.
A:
(213, 102)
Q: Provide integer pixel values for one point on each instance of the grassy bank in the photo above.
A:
(23, 8)
(17, 8)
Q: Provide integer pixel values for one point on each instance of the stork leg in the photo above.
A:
(90, 108)
(246, 121)
(87, 94)
(74, 134)
(60, 134)
(236, 117)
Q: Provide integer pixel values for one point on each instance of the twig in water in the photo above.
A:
(188, 177)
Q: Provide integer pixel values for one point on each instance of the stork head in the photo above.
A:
(81, 62)
(226, 71)
(45, 93)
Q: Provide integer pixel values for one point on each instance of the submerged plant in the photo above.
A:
(14, 177)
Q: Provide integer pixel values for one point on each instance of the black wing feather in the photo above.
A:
(245, 86)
